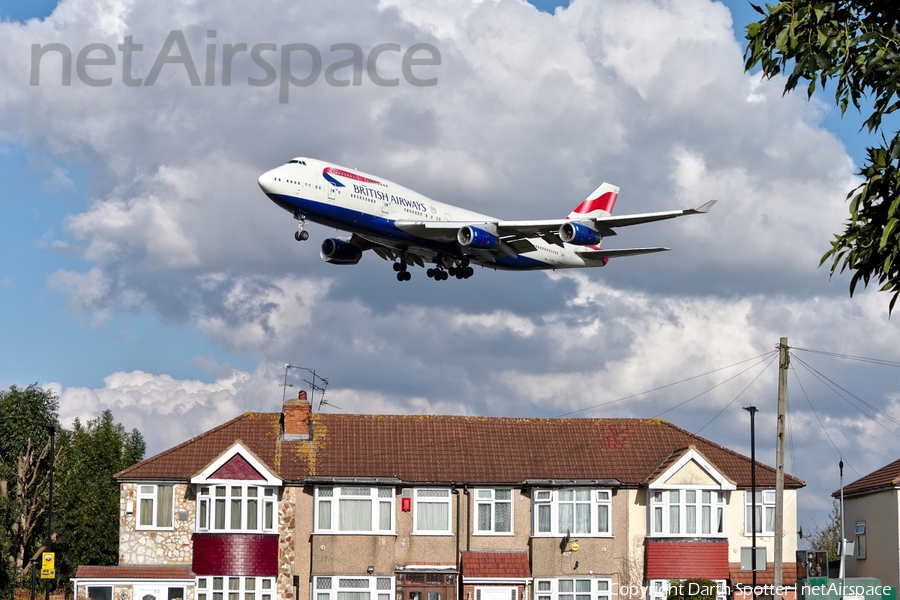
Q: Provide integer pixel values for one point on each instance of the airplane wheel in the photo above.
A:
(444, 276)
(301, 235)
(470, 271)
(400, 277)
(452, 271)
(430, 272)
(397, 267)
(407, 275)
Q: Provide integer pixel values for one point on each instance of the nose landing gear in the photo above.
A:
(301, 235)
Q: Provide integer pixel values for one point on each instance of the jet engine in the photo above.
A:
(474, 237)
(578, 234)
(340, 252)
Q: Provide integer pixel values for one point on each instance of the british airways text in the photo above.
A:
(379, 195)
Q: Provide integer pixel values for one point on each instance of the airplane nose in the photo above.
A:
(265, 181)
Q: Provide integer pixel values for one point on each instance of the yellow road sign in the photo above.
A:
(48, 565)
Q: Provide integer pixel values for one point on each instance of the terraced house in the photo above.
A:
(306, 506)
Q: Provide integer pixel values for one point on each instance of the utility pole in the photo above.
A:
(783, 362)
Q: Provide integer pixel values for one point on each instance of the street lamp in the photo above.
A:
(753, 410)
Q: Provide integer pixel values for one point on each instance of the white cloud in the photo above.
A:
(530, 113)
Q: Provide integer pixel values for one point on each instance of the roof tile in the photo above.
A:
(455, 449)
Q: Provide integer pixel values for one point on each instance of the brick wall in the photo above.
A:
(250, 554)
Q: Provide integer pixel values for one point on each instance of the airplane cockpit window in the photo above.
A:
(297, 161)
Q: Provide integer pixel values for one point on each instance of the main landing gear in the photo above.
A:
(301, 235)
(402, 273)
(462, 270)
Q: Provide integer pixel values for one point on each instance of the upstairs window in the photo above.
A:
(579, 511)
(432, 511)
(493, 511)
(354, 510)
(687, 513)
(861, 540)
(156, 506)
(236, 507)
(765, 513)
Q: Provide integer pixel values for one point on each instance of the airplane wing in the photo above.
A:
(601, 254)
(513, 232)
(603, 225)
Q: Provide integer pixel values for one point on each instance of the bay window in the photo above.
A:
(687, 512)
(572, 589)
(236, 507)
(235, 588)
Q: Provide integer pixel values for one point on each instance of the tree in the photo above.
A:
(88, 509)
(828, 536)
(24, 470)
(86, 497)
(854, 45)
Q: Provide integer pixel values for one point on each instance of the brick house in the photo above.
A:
(306, 506)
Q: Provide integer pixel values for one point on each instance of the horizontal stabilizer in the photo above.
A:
(601, 254)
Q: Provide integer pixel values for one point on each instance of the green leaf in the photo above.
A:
(886, 236)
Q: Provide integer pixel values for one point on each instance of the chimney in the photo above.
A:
(296, 417)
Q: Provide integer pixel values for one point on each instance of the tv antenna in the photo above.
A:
(318, 384)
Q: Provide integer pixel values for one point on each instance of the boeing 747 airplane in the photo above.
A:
(407, 228)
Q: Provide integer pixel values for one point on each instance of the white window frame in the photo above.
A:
(420, 497)
(150, 492)
(511, 590)
(658, 589)
(327, 514)
(551, 499)
(88, 588)
(328, 588)
(487, 497)
(666, 504)
(861, 540)
(241, 495)
(765, 505)
(225, 587)
(549, 589)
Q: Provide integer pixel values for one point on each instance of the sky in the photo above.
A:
(142, 269)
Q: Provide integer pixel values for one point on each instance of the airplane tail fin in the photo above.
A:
(599, 204)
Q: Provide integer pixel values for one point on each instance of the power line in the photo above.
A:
(875, 361)
(822, 425)
(708, 390)
(662, 387)
(831, 383)
(769, 364)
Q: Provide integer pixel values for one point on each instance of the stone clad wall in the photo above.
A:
(154, 546)
(286, 522)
